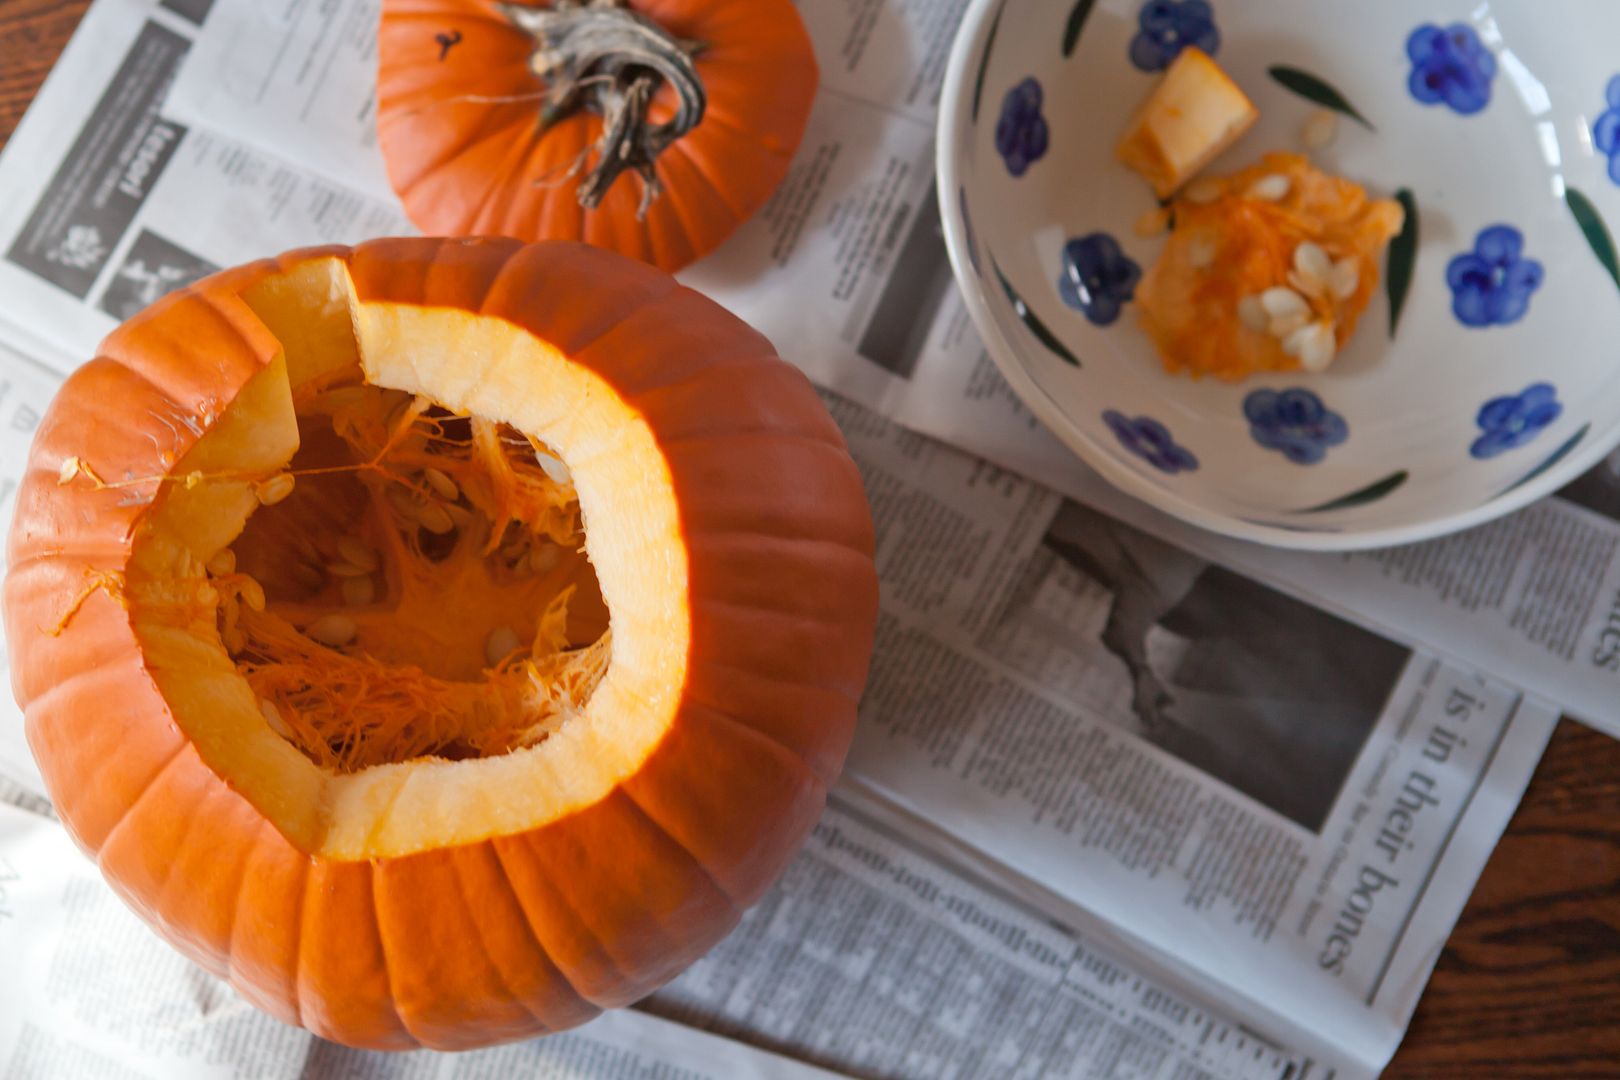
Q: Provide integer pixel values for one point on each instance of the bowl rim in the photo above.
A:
(950, 132)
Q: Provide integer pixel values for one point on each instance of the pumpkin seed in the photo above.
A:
(1270, 188)
(356, 553)
(544, 559)
(441, 483)
(274, 490)
(222, 563)
(554, 467)
(434, 518)
(272, 716)
(502, 642)
(1320, 129)
(334, 631)
(252, 593)
(359, 591)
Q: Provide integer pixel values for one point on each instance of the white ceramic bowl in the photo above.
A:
(1499, 381)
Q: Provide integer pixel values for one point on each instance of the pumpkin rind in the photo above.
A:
(467, 154)
(511, 935)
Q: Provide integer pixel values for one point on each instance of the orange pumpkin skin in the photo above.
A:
(459, 127)
(512, 935)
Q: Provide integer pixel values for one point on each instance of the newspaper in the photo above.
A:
(1268, 812)
(91, 992)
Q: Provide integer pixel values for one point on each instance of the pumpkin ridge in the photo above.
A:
(152, 894)
(304, 876)
(387, 964)
(509, 175)
(658, 825)
(560, 899)
(494, 126)
(505, 876)
(698, 162)
(209, 788)
(483, 849)
(831, 688)
(469, 917)
(240, 982)
(145, 790)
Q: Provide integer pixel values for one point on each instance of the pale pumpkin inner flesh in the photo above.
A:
(421, 583)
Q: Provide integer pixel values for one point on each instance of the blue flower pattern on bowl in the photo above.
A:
(1510, 421)
(1294, 422)
(1151, 441)
(1492, 285)
(1606, 132)
(1169, 26)
(1021, 133)
(1451, 67)
(1098, 278)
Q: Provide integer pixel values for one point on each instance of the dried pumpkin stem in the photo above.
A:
(599, 56)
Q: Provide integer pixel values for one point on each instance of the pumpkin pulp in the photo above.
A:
(366, 591)
(421, 590)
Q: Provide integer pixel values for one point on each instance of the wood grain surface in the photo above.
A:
(1528, 986)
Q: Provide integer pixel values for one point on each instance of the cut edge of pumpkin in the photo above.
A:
(471, 365)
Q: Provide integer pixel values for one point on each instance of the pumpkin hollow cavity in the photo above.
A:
(365, 591)
(415, 585)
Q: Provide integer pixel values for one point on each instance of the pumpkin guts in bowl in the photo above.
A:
(364, 604)
(1267, 270)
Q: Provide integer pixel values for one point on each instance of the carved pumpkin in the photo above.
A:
(441, 640)
(650, 127)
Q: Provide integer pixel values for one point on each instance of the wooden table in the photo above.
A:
(1529, 984)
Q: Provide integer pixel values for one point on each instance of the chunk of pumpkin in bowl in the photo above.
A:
(441, 640)
(1268, 269)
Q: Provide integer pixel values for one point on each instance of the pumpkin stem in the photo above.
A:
(600, 56)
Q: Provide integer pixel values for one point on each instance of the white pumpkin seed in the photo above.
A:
(334, 631)
(354, 552)
(442, 484)
(272, 716)
(1320, 129)
(274, 490)
(502, 642)
(1270, 188)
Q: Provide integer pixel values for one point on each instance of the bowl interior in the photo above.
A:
(1500, 128)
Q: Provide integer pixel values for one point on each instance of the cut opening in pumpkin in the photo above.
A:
(369, 590)
(416, 586)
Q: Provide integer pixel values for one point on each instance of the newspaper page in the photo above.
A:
(1274, 799)
(875, 957)
(109, 203)
(91, 992)
(847, 269)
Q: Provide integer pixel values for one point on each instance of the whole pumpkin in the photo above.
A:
(650, 127)
(441, 640)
